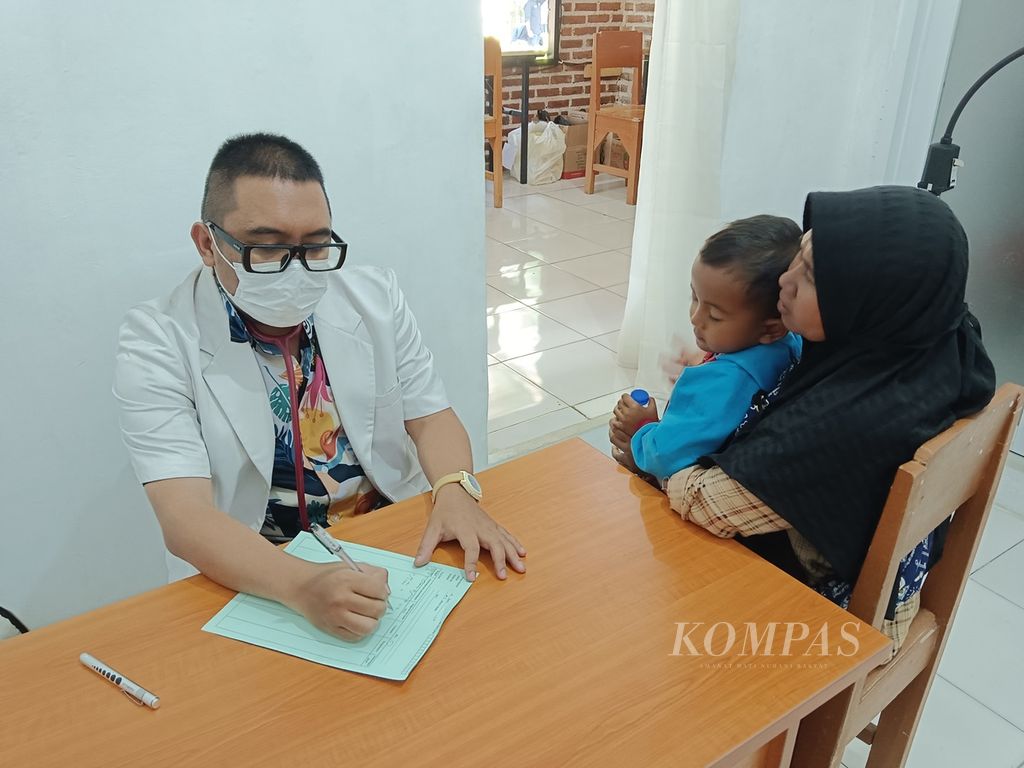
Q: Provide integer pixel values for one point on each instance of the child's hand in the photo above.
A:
(629, 415)
(622, 450)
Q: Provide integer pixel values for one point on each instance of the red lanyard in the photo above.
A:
(282, 343)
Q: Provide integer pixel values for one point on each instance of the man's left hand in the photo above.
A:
(458, 517)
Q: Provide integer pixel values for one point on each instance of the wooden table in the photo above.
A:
(570, 665)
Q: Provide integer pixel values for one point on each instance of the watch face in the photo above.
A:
(472, 481)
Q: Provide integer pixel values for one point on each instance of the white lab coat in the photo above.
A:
(193, 403)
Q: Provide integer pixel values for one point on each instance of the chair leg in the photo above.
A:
(819, 740)
(499, 172)
(588, 187)
(898, 723)
(631, 185)
(634, 167)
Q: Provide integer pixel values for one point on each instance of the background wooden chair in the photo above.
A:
(959, 470)
(616, 49)
(492, 116)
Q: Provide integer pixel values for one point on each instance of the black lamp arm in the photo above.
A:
(943, 156)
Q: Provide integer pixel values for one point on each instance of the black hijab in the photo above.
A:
(902, 359)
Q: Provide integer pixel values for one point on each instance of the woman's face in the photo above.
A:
(798, 297)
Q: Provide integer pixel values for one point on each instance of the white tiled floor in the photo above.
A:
(556, 285)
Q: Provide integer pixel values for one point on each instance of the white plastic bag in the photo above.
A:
(544, 157)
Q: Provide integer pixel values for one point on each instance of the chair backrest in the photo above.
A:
(616, 49)
(492, 70)
(956, 472)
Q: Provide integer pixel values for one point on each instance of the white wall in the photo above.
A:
(831, 94)
(990, 186)
(112, 111)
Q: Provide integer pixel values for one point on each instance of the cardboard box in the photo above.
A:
(613, 153)
(575, 159)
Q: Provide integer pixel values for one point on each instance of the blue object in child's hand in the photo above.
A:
(640, 396)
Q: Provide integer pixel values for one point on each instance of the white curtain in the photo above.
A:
(692, 57)
(750, 105)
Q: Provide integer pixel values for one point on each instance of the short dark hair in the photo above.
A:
(759, 249)
(264, 155)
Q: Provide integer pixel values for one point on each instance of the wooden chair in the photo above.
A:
(615, 49)
(957, 470)
(492, 118)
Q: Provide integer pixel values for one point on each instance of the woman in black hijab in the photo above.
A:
(891, 357)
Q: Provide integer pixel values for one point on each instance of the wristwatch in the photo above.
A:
(463, 478)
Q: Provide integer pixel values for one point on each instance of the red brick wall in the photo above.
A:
(562, 87)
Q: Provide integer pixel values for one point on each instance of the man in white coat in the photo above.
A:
(273, 390)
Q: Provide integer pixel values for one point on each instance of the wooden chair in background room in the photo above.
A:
(493, 116)
(959, 470)
(615, 49)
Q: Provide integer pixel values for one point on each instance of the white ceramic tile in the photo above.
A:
(584, 224)
(620, 289)
(556, 213)
(559, 185)
(955, 732)
(510, 188)
(555, 246)
(856, 755)
(503, 258)
(534, 429)
(599, 406)
(537, 203)
(610, 340)
(576, 196)
(492, 360)
(1005, 575)
(605, 188)
(604, 269)
(534, 285)
(523, 332)
(1003, 531)
(983, 652)
(591, 314)
(512, 399)
(598, 437)
(612, 234)
(617, 209)
(1011, 485)
(498, 302)
(506, 225)
(575, 373)
(610, 187)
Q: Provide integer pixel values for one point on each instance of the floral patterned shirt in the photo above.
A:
(334, 481)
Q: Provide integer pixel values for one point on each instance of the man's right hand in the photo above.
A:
(342, 602)
(345, 603)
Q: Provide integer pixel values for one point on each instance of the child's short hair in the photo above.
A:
(759, 249)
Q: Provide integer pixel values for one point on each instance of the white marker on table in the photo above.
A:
(133, 691)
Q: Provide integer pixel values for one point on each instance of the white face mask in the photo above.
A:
(282, 299)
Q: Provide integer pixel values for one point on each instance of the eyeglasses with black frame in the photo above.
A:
(270, 259)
